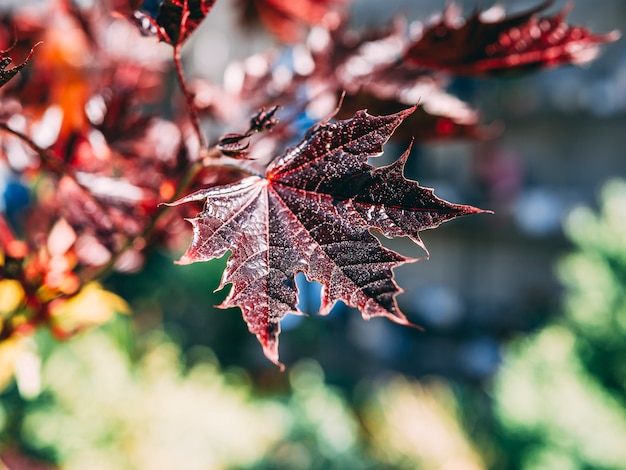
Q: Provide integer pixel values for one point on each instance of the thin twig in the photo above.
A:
(46, 156)
(193, 113)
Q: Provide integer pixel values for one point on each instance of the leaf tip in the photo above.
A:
(463, 209)
(477, 210)
(404, 158)
(414, 326)
(399, 318)
(184, 260)
(271, 352)
(611, 36)
(408, 111)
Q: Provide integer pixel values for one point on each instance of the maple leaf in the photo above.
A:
(490, 44)
(312, 213)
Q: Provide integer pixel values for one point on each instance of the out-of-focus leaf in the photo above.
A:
(11, 296)
(288, 20)
(490, 43)
(92, 306)
(10, 350)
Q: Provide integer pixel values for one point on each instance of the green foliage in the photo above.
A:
(89, 404)
(98, 408)
(561, 395)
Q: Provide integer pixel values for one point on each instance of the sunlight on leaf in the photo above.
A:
(313, 214)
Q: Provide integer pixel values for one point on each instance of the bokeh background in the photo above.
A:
(521, 361)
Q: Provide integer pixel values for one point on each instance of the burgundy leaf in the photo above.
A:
(520, 42)
(177, 19)
(7, 74)
(312, 213)
(370, 68)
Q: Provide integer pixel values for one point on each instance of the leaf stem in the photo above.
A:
(193, 113)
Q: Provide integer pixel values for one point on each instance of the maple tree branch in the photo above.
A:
(208, 158)
(193, 113)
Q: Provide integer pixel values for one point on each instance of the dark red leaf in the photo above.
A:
(177, 19)
(476, 46)
(312, 213)
(7, 74)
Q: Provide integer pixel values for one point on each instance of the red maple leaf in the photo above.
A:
(481, 46)
(312, 213)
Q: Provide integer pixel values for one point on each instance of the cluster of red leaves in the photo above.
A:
(97, 165)
(75, 130)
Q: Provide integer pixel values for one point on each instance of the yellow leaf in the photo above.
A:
(11, 296)
(10, 349)
(92, 306)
